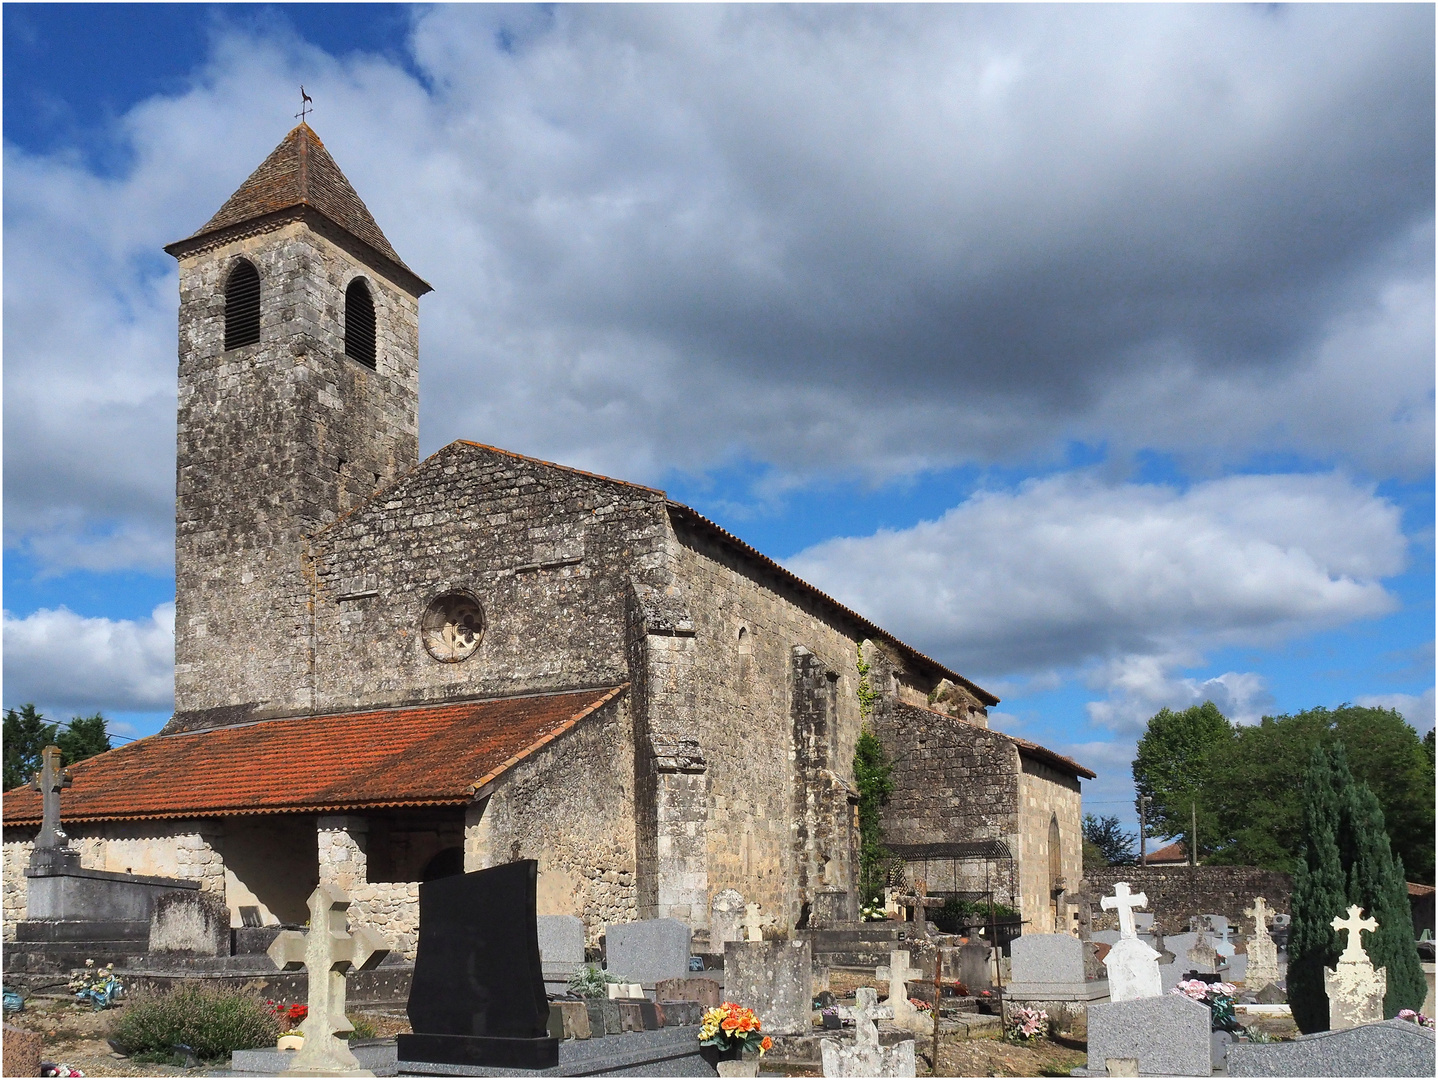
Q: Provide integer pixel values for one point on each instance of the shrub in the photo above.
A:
(591, 981)
(212, 1022)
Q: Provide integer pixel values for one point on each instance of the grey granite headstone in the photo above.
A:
(1392, 1048)
(561, 949)
(648, 951)
(1168, 1036)
(1050, 967)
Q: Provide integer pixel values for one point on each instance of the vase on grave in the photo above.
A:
(715, 1054)
(737, 1068)
(290, 1042)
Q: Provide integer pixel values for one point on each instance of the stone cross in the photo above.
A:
(326, 953)
(1082, 898)
(866, 1032)
(920, 901)
(49, 782)
(1125, 901)
(753, 927)
(1262, 952)
(1355, 988)
(1354, 953)
(899, 975)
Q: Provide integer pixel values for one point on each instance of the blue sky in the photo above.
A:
(1087, 349)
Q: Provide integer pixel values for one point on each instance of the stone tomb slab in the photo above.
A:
(704, 991)
(1392, 1048)
(478, 997)
(1167, 1036)
(667, 1052)
(647, 951)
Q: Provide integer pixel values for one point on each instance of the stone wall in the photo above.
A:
(275, 439)
(392, 908)
(1175, 893)
(570, 806)
(546, 551)
(19, 842)
(1049, 801)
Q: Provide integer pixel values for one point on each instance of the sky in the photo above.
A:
(1088, 349)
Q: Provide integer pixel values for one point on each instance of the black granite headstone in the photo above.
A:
(477, 997)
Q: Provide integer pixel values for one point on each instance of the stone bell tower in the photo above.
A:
(298, 399)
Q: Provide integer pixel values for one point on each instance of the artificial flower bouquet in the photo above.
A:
(1217, 996)
(1025, 1024)
(730, 1027)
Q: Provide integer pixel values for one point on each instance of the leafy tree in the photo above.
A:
(1255, 812)
(1428, 745)
(25, 734)
(873, 773)
(85, 737)
(1346, 859)
(1174, 766)
(1105, 843)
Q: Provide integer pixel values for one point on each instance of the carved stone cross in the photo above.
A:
(1259, 913)
(866, 1032)
(49, 782)
(1262, 952)
(326, 953)
(1082, 899)
(1124, 901)
(753, 926)
(1354, 953)
(899, 974)
(920, 901)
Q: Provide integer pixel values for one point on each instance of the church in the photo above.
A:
(388, 669)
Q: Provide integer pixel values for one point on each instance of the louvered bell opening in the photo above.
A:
(359, 323)
(242, 306)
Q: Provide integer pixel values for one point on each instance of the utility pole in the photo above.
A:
(1143, 801)
(1193, 832)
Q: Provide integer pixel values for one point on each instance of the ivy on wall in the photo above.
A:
(873, 773)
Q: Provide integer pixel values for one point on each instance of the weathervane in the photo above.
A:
(305, 102)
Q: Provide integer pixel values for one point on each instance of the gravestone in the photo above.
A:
(831, 909)
(680, 1013)
(190, 923)
(1132, 965)
(21, 1051)
(1212, 925)
(898, 974)
(477, 996)
(1050, 967)
(1355, 988)
(1392, 1048)
(973, 966)
(1167, 1035)
(569, 1020)
(920, 901)
(561, 942)
(774, 978)
(647, 951)
(704, 991)
(866, 1057)
(726, 919)
(327, 952)
(51, 846)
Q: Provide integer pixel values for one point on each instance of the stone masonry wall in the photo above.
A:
(275, 440)
(391, 907)
(19, 842)
(548, 552)
(571, 807)
(737, 703)
(1046, 796)
(1176, 893)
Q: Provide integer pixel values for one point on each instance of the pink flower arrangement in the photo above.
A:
(1415, 1018)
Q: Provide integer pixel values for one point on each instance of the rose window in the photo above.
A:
(452, 627)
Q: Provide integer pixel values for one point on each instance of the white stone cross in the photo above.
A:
(326, 952)
(899, 974)
(1124, 901)
(1262, 952)
(753, 927)
(52, 778)
(1259, 913)
(1354, 953)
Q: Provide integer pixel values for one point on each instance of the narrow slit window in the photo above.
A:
(242, 306)
(359, 323)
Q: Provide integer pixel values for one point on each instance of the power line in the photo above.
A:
(69, 726)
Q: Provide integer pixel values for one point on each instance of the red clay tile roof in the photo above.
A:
(300, 172)
(1173, 853)
(420, 756)
(1414, 889)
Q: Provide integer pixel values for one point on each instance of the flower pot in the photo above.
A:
(714, 1055)
(290, 1042)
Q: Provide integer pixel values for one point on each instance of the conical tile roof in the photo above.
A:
(300, 172)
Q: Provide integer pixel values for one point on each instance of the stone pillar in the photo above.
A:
(342, 841)
(681, 810)
(198, 857)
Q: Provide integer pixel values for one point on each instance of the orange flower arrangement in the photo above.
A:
(729, 1026)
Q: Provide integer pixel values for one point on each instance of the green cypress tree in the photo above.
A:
(1319, 894)
(1375, 883)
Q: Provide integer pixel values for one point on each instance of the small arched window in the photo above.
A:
(359, 323)
(242, 306)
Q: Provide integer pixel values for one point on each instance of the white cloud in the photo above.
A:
(1417, 709)
(1131, 581)
(833, 240)
(70, 662)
